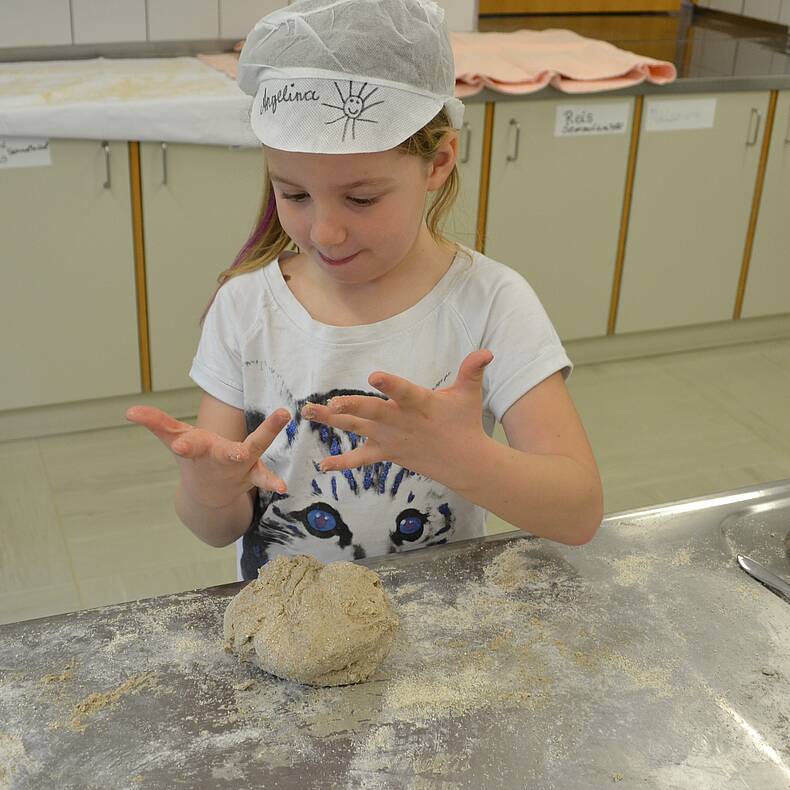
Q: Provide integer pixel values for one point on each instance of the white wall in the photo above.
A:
(767, 10)
(37, 23)
(461, 15)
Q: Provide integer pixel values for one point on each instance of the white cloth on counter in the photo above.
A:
(180, 100)
(260, 351)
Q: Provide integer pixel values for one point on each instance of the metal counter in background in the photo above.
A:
(646, 658)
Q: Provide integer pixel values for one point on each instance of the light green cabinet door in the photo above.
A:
(462, 222)
(555, 203)
(768, 284)
(692, 200)
(200, 203)
(68, 301)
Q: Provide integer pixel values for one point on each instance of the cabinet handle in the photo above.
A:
(467, 130)
(787, 131)
(754, 127)
(164, 164)
(512, 157)
(106, 147)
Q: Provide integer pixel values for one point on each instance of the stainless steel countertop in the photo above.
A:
(646, 658)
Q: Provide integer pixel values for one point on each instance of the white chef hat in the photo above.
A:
(348, 76)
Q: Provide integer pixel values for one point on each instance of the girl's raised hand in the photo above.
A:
(215, 471)
(433, 432)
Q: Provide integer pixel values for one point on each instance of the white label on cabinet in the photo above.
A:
(573, 120)
(676, 114)
(24, 152)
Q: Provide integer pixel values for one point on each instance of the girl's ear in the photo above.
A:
(443, 162)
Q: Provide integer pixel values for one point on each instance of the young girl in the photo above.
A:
(351, 388)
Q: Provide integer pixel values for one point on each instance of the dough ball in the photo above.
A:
(323, 625)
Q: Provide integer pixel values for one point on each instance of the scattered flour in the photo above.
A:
(515, 569)
(634, 569)
(67, 674)
(12, 757)
(100, 700)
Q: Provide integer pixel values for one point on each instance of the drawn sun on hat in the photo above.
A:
(352, 108)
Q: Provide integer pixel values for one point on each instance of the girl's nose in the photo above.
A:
(326, 231)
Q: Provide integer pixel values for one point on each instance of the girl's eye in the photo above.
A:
(298, 198)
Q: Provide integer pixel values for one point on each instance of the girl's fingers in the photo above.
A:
(235, 452)
(366, 407)
(195, 443)
(345, 422)
(361, 456)
(350, 424)
(260, 439)
(154, 419)
(264, 478)
(470, 374)
(166, 428)
(405, 393)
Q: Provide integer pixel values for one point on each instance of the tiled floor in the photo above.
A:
(87, 519)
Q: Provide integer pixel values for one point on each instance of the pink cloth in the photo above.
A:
(525, 61)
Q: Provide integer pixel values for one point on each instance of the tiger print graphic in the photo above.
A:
(328, 515)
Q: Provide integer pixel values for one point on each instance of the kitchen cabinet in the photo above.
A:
(692, 200)
(555, 203)
(68, 299)
(768, 283)
(200, 203)
(554, 211)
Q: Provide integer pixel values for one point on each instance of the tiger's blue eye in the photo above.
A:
(410, 525)
(320, 520)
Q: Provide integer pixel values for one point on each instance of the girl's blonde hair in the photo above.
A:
(268, 239)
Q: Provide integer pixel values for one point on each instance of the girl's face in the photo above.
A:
(356, 216)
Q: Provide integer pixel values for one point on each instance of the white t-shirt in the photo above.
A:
(260, 350)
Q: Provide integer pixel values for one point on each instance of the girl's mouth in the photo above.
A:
(337, 261)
